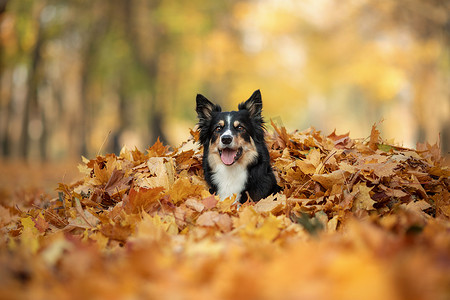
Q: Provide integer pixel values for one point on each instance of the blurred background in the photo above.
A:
(81, 77)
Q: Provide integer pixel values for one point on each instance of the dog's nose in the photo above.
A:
(227, 139)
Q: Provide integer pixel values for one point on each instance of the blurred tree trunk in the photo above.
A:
(88, 59)
(31, 108)
(150, 64)
(4, 135)
(125, 116)
(8, 115)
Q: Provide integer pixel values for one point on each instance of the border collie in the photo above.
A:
(235, 155)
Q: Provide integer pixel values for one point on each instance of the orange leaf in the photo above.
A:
(41, 224)
(158, 149)
(140, 200)
(210, 202)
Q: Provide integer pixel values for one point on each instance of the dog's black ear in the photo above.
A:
(206, 108)
(253, 105)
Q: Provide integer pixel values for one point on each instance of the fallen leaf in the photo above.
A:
(362, 197)
(195, 205)
(337, 177)
(141, 199)
(272, 204)
(208, 218)
(29, 237)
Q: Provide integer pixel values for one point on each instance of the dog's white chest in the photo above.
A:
(230, 180)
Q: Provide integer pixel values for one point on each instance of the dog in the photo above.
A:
(235, 155)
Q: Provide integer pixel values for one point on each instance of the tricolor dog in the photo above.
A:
(235, 155)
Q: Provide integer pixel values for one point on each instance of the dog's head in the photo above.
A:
(231, 136)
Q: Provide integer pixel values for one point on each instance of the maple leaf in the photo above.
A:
(141, 199)
(337, 177)
(363, 200)
(186, 160)
(273, 204)
(183, 188)
(311, 164)
(158, 149)
(157, 220)
(160, 173)
(210, 202)
(341, 141)
(41, 224)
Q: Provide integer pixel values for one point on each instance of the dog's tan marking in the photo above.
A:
(249, 152)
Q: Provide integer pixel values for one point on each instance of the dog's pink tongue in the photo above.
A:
(228, 156)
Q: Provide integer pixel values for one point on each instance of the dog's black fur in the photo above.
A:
(235, 155)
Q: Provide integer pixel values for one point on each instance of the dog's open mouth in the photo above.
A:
(230, 156)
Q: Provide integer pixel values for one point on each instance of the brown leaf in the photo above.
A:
(41, 224)
(374, 138)
(272, 204)
(337, 177)
(362, 197)
(116, 231)
(117, 182)
(311, 163)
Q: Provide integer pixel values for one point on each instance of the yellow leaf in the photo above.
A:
(248, 218)
(269, 229)
(225, 205)
(332, 224)
(102, 175)
(184, 188)
(30, 234)
(156, 228)
(102, 241)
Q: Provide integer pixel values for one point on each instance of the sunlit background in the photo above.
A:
(81, 77)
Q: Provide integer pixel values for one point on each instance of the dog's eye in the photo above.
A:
(240, 128)
(218, 128)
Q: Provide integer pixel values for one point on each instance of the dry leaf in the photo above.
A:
(360, 219)
(328, 180)
(362, 197)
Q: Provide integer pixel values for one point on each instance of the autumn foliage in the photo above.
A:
(356, 219)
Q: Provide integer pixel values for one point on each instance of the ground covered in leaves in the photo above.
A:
(356, 219)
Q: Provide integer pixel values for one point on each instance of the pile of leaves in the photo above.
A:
(356, 219)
